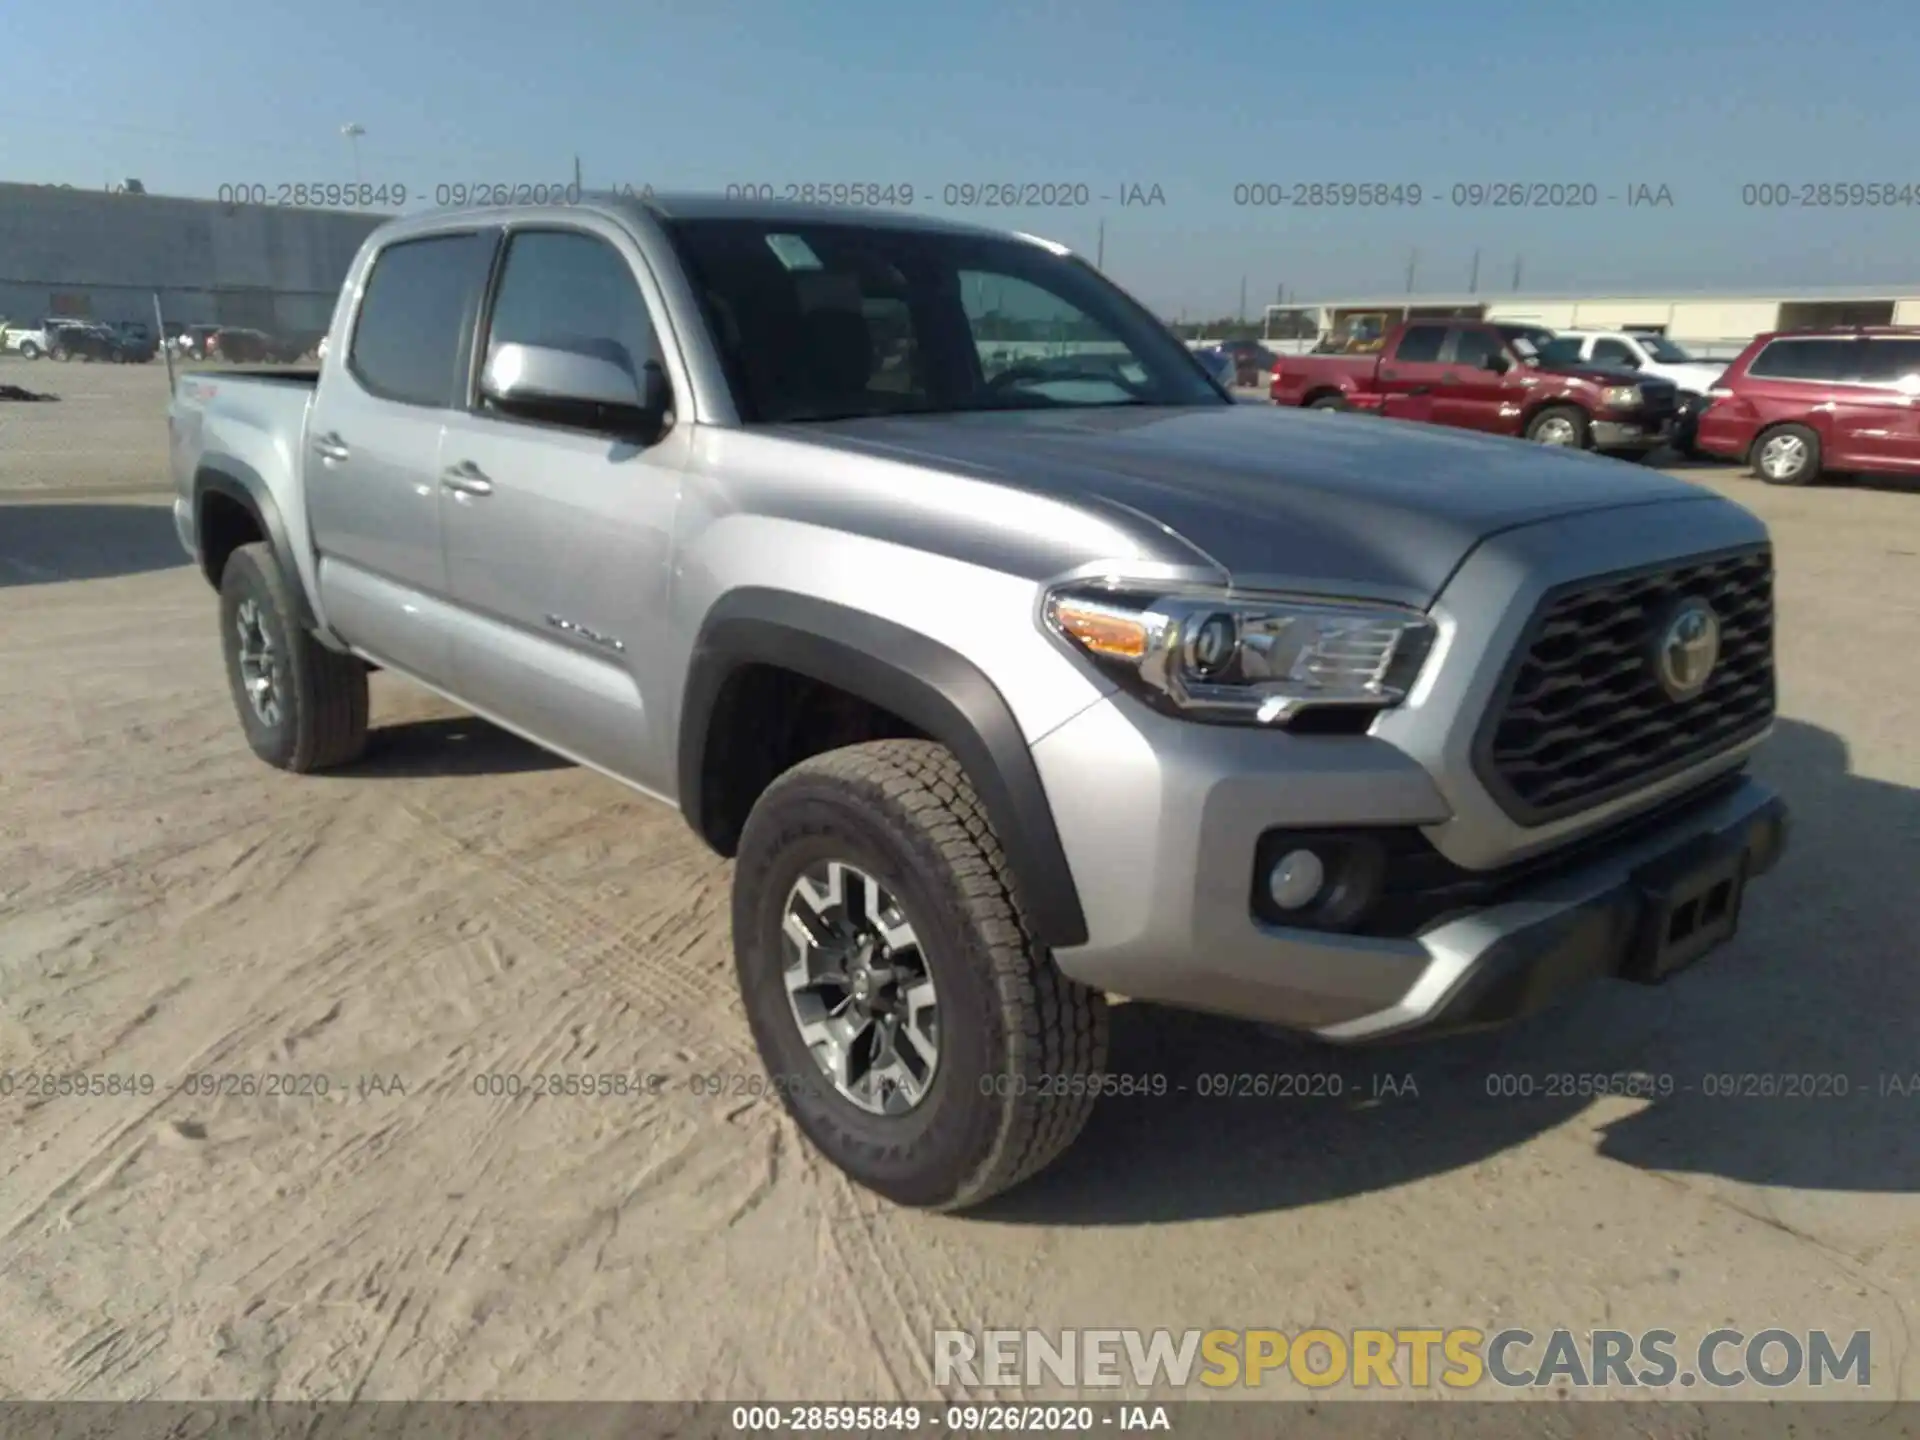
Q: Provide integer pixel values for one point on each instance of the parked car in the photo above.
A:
(1252, 362)
(243, 345)
(1006, 691)
(82, 340)
(1663, 359)
(1502, 379)
(191, 342)
(28, 339)
(1218, 363)
(137, 344)
(1799, 403)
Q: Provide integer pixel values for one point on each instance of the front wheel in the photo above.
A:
(922, 1040)
(1327, 402)
(1562, 425)
(29, 350)
(1787, 455)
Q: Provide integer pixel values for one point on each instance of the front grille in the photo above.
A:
(1581, 718)
(1658, 400)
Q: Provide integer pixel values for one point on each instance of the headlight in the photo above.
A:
(1621, 397)
(1245, 659)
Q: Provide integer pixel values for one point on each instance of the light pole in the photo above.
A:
(353, 133)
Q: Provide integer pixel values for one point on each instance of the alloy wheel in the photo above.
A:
(860, 989)
(1783, 456)
(261, 670)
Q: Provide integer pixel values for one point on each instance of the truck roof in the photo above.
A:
(690, 205)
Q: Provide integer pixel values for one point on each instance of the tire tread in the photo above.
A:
(1054, 1026)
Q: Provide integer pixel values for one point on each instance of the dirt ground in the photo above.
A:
(460, 911)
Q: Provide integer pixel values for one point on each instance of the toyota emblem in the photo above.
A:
(1687, 649)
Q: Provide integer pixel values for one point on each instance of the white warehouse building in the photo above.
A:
(1713, 325)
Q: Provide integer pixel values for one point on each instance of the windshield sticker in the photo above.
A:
(793, 252)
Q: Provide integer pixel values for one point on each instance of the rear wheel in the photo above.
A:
(1786, 455)
(1561, 425)
(1327, 402)
(922, 1040)
(303, 706)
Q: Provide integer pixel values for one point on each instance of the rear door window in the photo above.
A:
(415, 328)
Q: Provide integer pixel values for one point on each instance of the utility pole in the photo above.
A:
(1243, 299)
(576, 177)
(1516, 272)
(1413, 262)
(1473, 280)
(353, 133)
(1100, 248)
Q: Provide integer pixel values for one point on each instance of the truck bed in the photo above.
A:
(306, 378)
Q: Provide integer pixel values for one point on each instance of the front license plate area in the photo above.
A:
(1689, 905)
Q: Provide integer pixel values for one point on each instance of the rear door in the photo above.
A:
(1877, 421)
(559, 535)
(1408, 376)
(373, 440)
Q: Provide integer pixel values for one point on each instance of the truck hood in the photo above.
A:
(1698, 376)
(1593, 374)
(1274, 497)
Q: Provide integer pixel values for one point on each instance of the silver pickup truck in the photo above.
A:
(1015, 665)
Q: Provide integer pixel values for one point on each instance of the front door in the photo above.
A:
(559, 538)
(1468, 394)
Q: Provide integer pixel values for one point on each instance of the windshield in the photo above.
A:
(834, 321)
(1664, 350)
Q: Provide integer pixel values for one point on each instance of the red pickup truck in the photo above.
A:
(1503, 379)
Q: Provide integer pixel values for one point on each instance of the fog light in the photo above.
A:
(1296, 879)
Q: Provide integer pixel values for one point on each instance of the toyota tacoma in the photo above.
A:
(1014, 665)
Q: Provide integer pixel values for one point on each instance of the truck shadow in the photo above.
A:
(44, 544)
(1787, 1059)
(450, 745)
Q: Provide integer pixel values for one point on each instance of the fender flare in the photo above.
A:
(935, 689)
(250, 491)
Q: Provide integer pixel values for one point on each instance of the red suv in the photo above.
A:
(1799, 402)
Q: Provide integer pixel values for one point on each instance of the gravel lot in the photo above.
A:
(460, 906)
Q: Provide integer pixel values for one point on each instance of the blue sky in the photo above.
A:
(1701, 96)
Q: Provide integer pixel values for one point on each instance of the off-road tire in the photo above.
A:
(1807, 474)
(323, 719)
(1022, 1048)
(1573, 414)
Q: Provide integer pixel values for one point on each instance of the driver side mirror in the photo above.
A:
(1497, 363)
(577, 386)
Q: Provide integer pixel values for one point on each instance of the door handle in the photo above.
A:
(330, 446)
(1420, 390)
(1387, 374)
(466, 478)
(1449, 378)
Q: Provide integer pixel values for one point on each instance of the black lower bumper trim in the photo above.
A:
(1530, 969)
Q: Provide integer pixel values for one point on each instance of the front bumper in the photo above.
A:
(1622, 434)
(1166, 887)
